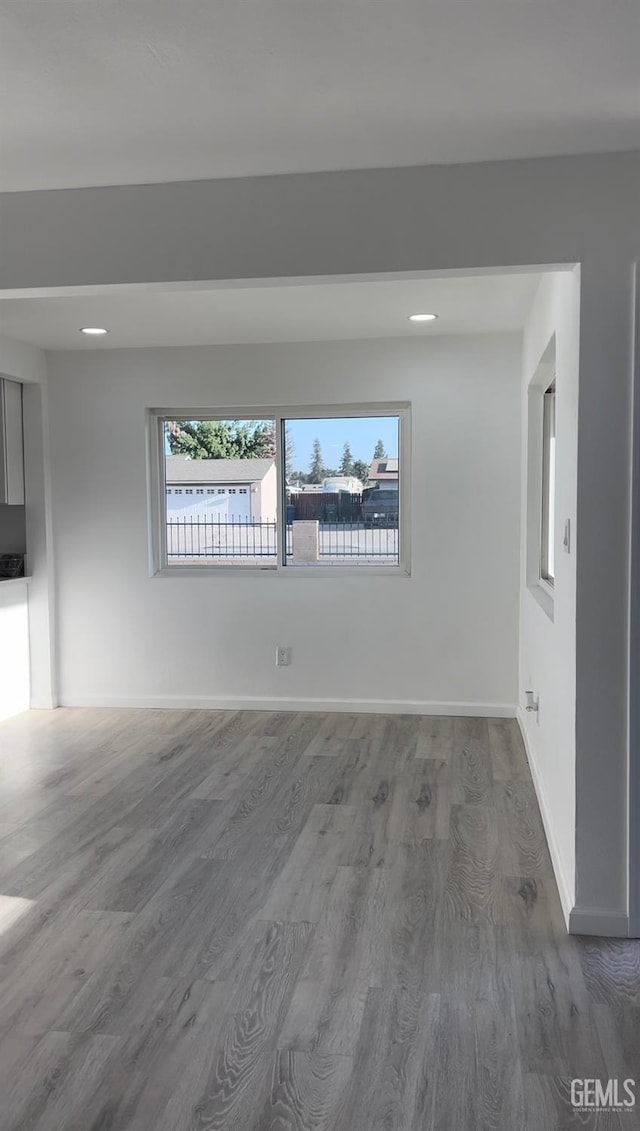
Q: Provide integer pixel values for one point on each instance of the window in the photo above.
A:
(189, 491)
(547, 542)
(168, 490)
(330, 489)
(540, 517)
(339, 514)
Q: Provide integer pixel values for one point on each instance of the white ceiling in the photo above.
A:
(312, 312)
(100, 92)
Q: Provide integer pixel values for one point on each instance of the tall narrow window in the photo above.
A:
(547, 557)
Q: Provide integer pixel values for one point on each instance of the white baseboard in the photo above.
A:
(273, 703)
(599, 921)
(564, 888)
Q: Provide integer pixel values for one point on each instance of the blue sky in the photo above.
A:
(361, 432)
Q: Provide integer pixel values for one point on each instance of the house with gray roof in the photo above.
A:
(227, 490)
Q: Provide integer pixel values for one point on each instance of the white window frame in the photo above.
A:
(543, 379)
(547, 509)
(156, 487)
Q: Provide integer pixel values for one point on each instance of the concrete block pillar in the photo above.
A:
(305, 542)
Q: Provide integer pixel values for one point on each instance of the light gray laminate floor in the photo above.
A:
(281, 922)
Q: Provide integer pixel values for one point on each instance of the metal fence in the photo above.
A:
(205, 538)
(208, 538)
(346, 540)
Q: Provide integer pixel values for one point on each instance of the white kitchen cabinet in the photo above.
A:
(11, 443)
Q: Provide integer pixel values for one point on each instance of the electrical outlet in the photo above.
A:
(531, 701)
(283, 656)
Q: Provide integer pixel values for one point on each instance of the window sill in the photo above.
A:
(544, 596)
(284, 571)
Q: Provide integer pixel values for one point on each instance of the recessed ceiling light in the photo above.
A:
(96, 331)
(422, 317)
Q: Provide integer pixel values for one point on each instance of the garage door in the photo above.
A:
(219, 504)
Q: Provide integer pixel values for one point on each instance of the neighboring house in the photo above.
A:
(229, 490)
(383, 472)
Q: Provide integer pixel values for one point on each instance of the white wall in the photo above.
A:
(431, 218)
(444, 639)
(548, 643)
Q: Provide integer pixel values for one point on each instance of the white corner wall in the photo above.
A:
(444, 639)
(548, 646)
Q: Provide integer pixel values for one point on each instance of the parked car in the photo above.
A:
(380, 508)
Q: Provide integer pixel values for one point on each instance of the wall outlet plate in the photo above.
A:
(283, 656)
(532, 701)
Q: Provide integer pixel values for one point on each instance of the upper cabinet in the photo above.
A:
(11, 443)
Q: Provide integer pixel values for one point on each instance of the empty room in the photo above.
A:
(319, 563)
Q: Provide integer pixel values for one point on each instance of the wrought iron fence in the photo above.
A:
(346, 540)
(206, 538)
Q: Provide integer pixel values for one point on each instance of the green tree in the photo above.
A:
(269, 440)
(269, 446)
(379, 450)
(316, 469)
(221, 439)
(360, 470)
(346, 463)
(289, 452)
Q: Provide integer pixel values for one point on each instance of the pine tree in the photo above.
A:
(346, 463)
(289, 452)
(361, 470)
(379, 450)
(316, 470)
